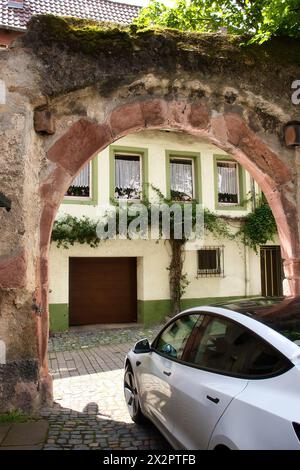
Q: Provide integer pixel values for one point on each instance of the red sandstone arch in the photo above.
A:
(227, 131)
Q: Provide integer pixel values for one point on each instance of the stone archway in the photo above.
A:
(55, 120)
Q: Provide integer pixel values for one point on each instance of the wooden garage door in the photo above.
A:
(102, 290)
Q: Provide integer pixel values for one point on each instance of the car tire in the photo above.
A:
(131, 396)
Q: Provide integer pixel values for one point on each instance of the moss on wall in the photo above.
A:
(92, 37)
(74, 54)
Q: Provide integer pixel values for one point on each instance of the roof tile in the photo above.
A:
(99, 10)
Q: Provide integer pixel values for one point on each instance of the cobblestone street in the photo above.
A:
(90, 411)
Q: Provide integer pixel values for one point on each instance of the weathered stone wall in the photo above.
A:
(72, 88)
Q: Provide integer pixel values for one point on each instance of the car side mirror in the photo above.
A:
(142, 346)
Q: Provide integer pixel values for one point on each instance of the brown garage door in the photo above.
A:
(102, 290)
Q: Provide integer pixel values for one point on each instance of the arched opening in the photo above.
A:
(228, 132)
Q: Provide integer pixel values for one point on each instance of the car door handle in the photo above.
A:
(167, 373)
(214, 400)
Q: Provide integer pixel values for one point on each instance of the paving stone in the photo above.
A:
(31, 433)
(4, 428)
(90, 410)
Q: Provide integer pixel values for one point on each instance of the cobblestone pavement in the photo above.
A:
(72, 341)
(90, 411)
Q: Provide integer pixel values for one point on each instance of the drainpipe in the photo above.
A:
(253, 194)
(246, 271)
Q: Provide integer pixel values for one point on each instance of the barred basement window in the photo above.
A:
(81, 185)
(228, 182)
(211, 261)
(128, 177)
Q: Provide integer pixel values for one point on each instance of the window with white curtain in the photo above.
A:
(128, 184)
(228, 182)
(81, 185)
(182, 179)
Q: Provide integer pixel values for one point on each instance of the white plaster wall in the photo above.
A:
(152, 274)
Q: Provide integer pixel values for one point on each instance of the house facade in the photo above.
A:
(126, 281)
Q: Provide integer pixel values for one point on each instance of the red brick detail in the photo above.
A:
(13, 270)
(46, 389)
(52, 190)
(178, 111)
(8, 36)
(199, 115)
(242, 137)
(219, 129)
(46, 223)
(126, 119)
(83, 140)
(292, 268)
(44, 122)
(154, 112)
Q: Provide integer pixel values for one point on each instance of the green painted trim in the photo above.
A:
(242, 206)
(59, 317)
(151, 312)
(197, 171)
(93, 201)
(145, 168)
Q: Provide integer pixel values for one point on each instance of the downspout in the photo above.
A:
(253, 194)
(246, 270)
(246, 248)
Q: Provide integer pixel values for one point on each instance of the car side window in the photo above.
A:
(173, 339)
(228, 347)
(263, 360)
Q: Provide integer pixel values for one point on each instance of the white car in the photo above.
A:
(222, 377)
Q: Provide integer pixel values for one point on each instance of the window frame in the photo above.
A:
(119, 154)
(213, 272)
(241, 177)
(142, 153)
(206, 320)
(196, 172)
(93, 197)
(193, 175)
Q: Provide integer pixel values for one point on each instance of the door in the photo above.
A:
(102, 290)
(155, 373)
(205, 384)
(271, 270)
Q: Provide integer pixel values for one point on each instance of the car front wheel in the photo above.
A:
(131, 396)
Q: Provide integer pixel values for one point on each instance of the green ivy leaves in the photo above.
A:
(259, 227)
(261, 19)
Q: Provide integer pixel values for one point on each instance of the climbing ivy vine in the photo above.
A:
(258, 227)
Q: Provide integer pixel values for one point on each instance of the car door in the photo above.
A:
(157, 368)
(206, 380)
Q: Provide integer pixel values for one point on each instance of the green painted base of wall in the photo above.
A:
(155, 311)
(59, 317)
(150, 312)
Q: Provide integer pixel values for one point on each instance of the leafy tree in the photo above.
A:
(261, 19)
